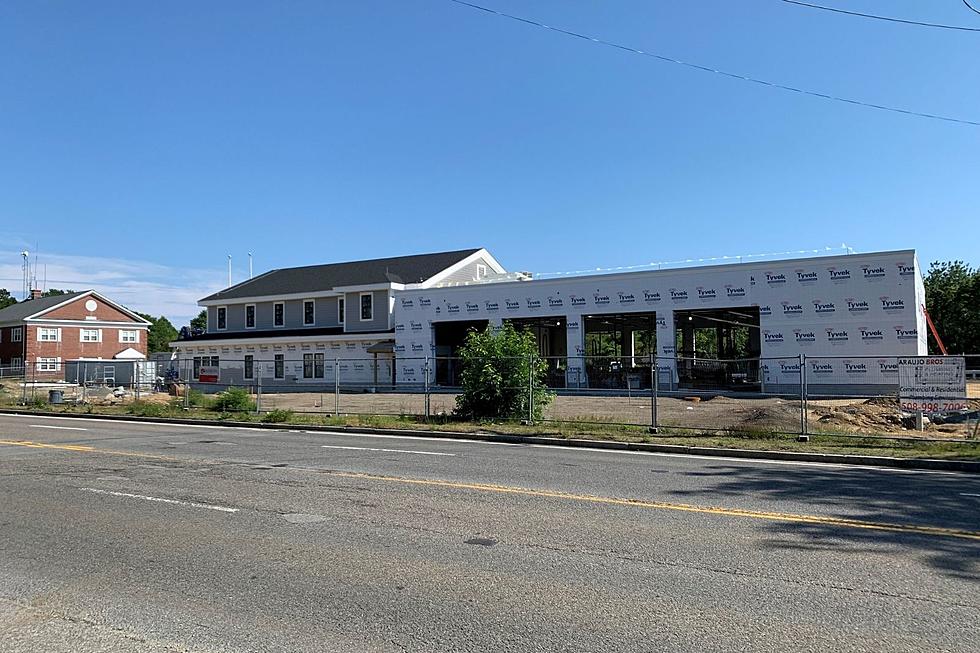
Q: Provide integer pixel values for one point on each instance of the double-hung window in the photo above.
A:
(16, 334)
(129, 335)
(222, 318)
(278, 314)
(340, 310)
(90, 335)
(48, 335)
(313, 366)
(249, 366)
(280, 366)
(48, 364)
(249, 316)
(309, 312)
(367, 306)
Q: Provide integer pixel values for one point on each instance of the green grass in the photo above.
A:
(762, 439)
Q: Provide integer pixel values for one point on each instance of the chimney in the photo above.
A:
(36, 293)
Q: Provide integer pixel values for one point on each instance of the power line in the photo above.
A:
(708, 69)
(887, 18)
(971, 7)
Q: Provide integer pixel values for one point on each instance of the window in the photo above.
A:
(222, 318)
(90, 335)
(249, 316)
(481, 271)
(48, 364)
(280, 371)
(278, 314)
(16, 334)
(340, 310)
(129, 336)
(48, 335)
(367, 306)
(16, 362)
(312, 366)
(204, 361)
(249, 366)
(309, 312)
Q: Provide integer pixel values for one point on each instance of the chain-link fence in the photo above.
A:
(811, 395)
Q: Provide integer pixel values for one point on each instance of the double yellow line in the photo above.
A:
(840, 522)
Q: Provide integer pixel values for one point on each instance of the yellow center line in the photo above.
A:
(568, 496)
(660, 505)
(83, 449)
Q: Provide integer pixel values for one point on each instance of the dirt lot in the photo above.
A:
(879, 415)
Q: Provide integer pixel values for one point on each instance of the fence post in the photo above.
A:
(427, 399)
(258, 394)
(84, 382)
(27, 361)
(803, 436)
(530, 389)
(654, 388)
(336, 387)
(137, 381)
(187, 387)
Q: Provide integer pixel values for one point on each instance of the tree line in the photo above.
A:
(952, 299)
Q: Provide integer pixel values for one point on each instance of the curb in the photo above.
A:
(934, 464)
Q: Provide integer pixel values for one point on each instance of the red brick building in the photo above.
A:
(41, 333)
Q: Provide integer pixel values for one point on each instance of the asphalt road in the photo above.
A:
(133, 537)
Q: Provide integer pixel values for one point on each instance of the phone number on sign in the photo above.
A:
(933, 406)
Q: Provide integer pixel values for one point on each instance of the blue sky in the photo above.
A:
(141, 143)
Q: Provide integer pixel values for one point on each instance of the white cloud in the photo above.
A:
(142, 286)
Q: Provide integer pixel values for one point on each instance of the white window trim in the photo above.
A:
(305, 302)
(255, 317)
(17, 334)
(43, 363)
(217, 321)
(481, 271)
(360, 310)
(98, 335)
(341, 311)
(274, 325)
(129, 342)
(16, 361)
(41, 330)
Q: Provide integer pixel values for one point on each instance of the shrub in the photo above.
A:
(195, 397)
(502, 373)
(233, 400)
(38, 403)
(147, 409)
(277, 415)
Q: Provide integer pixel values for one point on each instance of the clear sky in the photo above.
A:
(140, 143)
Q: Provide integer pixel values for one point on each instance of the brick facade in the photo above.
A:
(70, 320)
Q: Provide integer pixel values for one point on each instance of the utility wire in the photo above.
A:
(888, 18)
(971, 7)
(708, 69)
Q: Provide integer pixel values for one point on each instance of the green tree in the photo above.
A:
(54, 292)
(160, 334)
(498, 367)
(201, 321)
(953, 302)
(6, 299)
